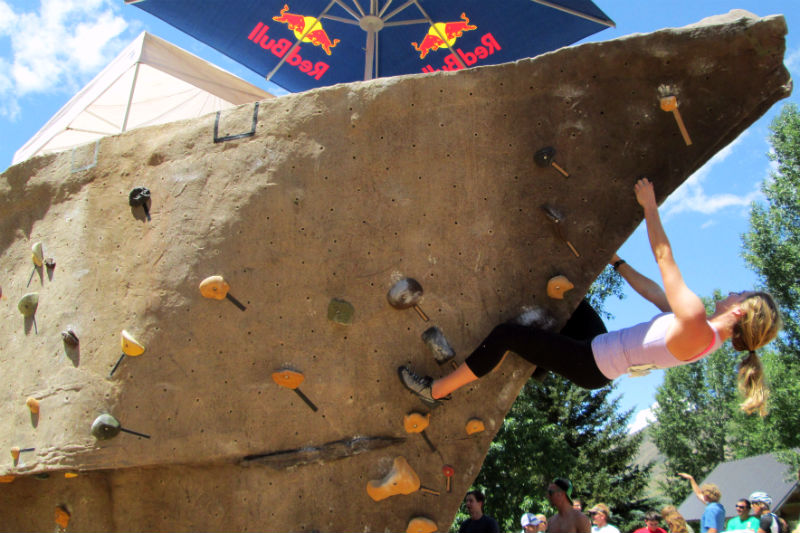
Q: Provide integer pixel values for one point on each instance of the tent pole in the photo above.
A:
(130, 98)
(609, 23)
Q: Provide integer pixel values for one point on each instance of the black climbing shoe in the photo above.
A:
(419, 385)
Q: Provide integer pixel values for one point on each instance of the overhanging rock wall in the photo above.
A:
(341, 192)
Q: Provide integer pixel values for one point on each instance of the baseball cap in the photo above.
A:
(529, 519)
(601, 508)
(565, 485)
(760, 497)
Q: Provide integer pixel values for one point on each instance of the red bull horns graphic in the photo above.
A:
(444, 35)
(306, 29)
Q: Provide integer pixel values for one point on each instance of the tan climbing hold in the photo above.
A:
(474, 425)
(37, 254)
(214, 287)
(131, 346)
(288, 378)
(62, 517)
(420, 524)
(7, 479)
(416, 422)
(33, 405)
(557, 286)
(400, 480)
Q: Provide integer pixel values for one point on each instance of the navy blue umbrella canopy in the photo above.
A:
(303, 44)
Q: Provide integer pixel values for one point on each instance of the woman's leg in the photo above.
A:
(572, 359)
(454, 380)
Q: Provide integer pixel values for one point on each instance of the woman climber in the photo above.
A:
(584, 353)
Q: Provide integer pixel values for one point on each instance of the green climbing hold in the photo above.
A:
(27, 304)
(341, 311)
(105, 427)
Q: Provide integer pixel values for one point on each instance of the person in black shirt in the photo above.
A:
(477, 521)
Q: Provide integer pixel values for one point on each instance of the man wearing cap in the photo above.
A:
(567, 520)
(768, 522)
(651, 521)
(743, 520)
(477, 521)
(530, 523)
(600, 514)
(713, 519)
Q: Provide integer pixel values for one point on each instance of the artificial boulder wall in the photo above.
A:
(338, 194)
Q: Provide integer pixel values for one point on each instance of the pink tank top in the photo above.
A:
(641, 348)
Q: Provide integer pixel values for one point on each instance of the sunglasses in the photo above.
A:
(741, 507)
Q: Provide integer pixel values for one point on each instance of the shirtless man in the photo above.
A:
(567, 520)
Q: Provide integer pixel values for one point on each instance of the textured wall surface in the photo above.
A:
(341, 192)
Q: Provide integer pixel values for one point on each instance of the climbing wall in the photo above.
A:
(277, 405)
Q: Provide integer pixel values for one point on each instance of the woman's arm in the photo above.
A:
(646, 287)
(690, 333)
(695, 488)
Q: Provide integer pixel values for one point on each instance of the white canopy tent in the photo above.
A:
(150, 82)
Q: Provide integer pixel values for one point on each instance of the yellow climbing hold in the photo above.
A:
(37, 254)
(421, 524)
(131, 346)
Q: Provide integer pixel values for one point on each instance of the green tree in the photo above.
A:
(772, 249)
(556, 429)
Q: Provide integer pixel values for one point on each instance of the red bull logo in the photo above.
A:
(488, 46)
(443, 35)
(309, 29)
(281, 46)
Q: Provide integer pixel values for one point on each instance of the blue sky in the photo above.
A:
(50, 48)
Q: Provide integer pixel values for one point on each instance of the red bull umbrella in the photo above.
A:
(303, 44)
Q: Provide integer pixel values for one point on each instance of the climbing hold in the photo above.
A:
(217, 288)
(434, 339)
(69, 338)
(37, 254)
(448, 472)
(407, 293)
(107, 427)
(62, 517)
(421, 524)
(33, 405)
(130, 346)
(544, 158)
(401, 479)
(557, 286)
(7, 479)
(416, 423)
(27, 304)
(292, 380)
(15, 451)
(341, 311)
(140, 196)
(70, 475)
(669, 102)
(474, 425)
(423, 488)
(50, 263)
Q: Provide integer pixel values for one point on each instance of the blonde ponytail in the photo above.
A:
(751, 385)
(758, 325)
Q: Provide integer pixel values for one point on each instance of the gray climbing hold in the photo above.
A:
(437, 343)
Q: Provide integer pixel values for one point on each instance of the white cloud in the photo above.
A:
(642, 419)
(56, 45)
(792, 62)
(691, 196)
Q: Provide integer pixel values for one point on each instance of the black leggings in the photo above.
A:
(567, 353)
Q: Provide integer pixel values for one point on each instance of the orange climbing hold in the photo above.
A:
(421, 524)
(214, 287)
(557, 286)
(474, 425)
(33, 405)
(288, 378)
(416, 422)
(62, 517)
(400, 480)
(7, 479)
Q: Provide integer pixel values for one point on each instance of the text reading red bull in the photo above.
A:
(281, 46)
(487, 47)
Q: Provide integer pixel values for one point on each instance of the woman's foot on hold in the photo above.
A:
(422, 386)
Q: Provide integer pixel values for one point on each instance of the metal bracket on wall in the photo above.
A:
(238, 135)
